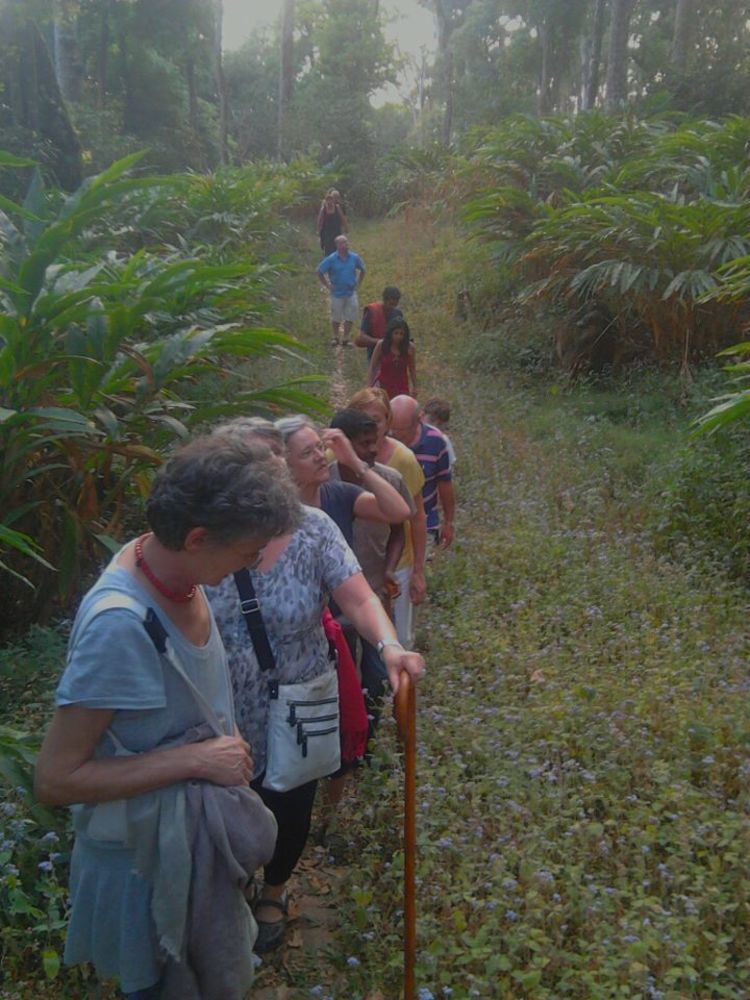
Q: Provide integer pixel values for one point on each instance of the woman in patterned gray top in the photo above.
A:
(296, 576)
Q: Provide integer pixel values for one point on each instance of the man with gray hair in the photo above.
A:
(431, 451)
(341, 274)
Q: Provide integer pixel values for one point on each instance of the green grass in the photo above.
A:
(584, 726)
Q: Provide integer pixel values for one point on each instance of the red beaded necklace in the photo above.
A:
(153, 579)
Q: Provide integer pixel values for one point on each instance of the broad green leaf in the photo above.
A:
(12, 160)
(110, 544)
(51, 963)
(59, 418)
(22, 543)
(34, 208)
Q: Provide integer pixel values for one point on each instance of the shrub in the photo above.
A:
(98, 355)
(628, 225)
(704, 506)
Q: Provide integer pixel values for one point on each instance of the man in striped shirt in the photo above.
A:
(431, 451)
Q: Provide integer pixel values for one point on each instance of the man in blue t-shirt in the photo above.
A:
(338, 274)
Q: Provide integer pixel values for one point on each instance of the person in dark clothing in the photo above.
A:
(331, 221)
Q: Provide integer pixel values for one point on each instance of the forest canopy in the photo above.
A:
(86, 81)
(594, 153)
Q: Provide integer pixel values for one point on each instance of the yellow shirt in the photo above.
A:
(404, 461)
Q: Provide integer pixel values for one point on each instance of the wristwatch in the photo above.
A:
(382, 643)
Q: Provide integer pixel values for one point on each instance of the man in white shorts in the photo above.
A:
(341, 273)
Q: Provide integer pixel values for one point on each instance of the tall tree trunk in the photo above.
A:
(130, 115)
(448, 81)
(286, 70)
(32, 98)
(617, 62)
(591, 58)
(543, 35)
(585, 50)
(102, 56)
(596, 55)
(221, 83)
(192, 92)
(681, 38)
(442, 16)
(66, 56)
(422, 81)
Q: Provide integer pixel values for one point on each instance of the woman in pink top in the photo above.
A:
(393, 362)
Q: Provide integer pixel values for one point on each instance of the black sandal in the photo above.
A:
(271, 934)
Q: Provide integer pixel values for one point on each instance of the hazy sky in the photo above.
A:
(412, 26)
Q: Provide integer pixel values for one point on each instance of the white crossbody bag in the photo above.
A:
(303, 740)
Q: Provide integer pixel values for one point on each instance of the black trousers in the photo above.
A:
(293, 812)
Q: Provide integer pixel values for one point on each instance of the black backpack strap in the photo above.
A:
(156, 631)
(254, 620)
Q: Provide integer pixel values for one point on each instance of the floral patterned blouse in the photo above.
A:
(291, 595)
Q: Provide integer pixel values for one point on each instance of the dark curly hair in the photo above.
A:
(234, 489)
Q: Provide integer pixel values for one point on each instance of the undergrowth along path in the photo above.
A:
(584, 730)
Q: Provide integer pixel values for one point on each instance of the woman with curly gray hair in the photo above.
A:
(128, 707)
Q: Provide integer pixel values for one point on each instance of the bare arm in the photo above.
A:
(372, 371)
(363, 338)
(411, 364)
(364, 610)
(394, 549)
(417, 584)
(67, 772)
(381, 501)
(447, 500)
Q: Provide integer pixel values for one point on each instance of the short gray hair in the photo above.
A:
(234, 489)
(289, 426)
(254, 428)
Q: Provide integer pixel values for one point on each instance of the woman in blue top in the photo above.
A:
(212, 510)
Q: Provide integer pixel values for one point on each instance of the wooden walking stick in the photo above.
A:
(406, 719)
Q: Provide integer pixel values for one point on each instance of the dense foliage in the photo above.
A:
(110, 75)
(635, 230)
(103, 348)
(583, 825)
(583, 766)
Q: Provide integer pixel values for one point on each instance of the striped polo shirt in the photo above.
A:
(431, 451)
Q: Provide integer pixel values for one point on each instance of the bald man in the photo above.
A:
(431, 451)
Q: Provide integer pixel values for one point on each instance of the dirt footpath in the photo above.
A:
(313, 920)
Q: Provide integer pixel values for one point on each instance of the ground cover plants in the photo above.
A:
(584, 728)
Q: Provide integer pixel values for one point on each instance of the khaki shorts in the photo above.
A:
(344, 310)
